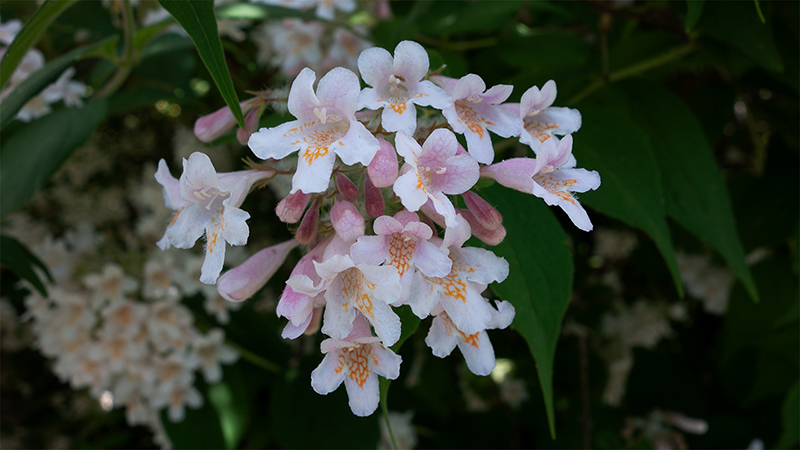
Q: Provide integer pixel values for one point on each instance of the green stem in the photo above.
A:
(126, 63)
(385, 410)
(635, 69)
(255, 359)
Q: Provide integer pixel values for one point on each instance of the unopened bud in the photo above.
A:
(347, 221)
(251, 122)
(689, 424)
(490, 237)
(484, 213)
(240, 283)
(308, 227)
(382, 170)
(346, 187)
(214, 125)
(291, 208)
(374, 199)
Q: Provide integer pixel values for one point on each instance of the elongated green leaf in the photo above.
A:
(37, 81)
(539, 282)
(21, 261)
(694, 10)
(32, 154)
(791, 419)
(29, 36)
(738, 24)
(631, 190)
(231, 400)
(197, 18)
(693, 186)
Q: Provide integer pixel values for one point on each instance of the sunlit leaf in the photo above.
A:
(197, 18)
(631, 190)
(539, 282)
(33, 153)
(29, 36)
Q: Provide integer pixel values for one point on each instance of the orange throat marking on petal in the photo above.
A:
(398, 107)
(357, 361)
(175, 219)
(355, 287)
(320, 140)
(471, 339)
(470, 118)
(540, 130)
(452, 284)
(558, 188)
(400, 252)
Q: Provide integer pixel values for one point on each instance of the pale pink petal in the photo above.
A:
(369, 250)
(302, 98)
(339, 88)
(242, 282)
(198, 172)
(431, 261)
(215, 258)
(386, 225)
(357, 146)
(534, 101)
(172, 192)
(411, 59)
(388, 362)
(515, 173)
(407, 147)
(498, 93)
(468, 85)
(443, 206)
(347, 221)
(187, 226)
(461, 174)
(277, 142)
(441, 338)
(408, 188)
(399, 117)
(428, 94)
(363, 399)
(315, 176)
(370, 98)
(339, 313)
(382, 170)
(325, 378)
(486, 266)
(373, 64)
(478, 353)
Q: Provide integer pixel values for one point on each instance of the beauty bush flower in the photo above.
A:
(551, 177)
(326, 126)
(382, 170)
(540, 120)
(356, 360)
(214, 125)
(433, 171)
(206, 202)
(397, 85)
(476, 111)
(242, 282)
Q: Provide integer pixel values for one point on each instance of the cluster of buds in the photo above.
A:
(363, 258)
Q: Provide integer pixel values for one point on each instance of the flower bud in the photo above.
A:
(308, 227)
(346, 187)
(251, 122)
(291, 208)
(373, 199)
(490, 237)
(347, 221)
(383, 168)
(214, 125)
(483, 212)
(240, 283)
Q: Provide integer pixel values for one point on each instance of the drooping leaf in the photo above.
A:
(33, 153)
(539, 282)
(40, 79)
(693, 186)
(738, 24)
(197, 18)
(21, 261)
(200, 428)
(694, 10)
(631, 188)
(791, 419)
(29, 36)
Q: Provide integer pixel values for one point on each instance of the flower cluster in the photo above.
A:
(350, 283)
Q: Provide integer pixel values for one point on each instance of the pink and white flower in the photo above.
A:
(476, 111)
(542, 121)
(208, 203)
(356, 360)
(402, 242)
(551, 176)
(433, 171)
(397, 85)
(326, 126)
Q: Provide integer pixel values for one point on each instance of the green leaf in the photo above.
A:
(791, 419)
(201, 428)
(33, 153)
(40, 79)
(232, 403)
(695, 9)
(631, 188)
(29, 36)
(738, 24)
(21, 261)
(197, 18)
(539, 282)
(693, 186)
(260, 11)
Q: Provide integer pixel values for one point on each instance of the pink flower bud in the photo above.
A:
(214, 125)
(347, 221)
(484, 213)
(291, 208)
(346, 187)
(490, 237)
(373, 199)
(308, 227)
(240, 283)
(251, 122)
(383, 168)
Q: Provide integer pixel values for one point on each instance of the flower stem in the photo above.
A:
(255, 359)
(126, 63)
(635, 69)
